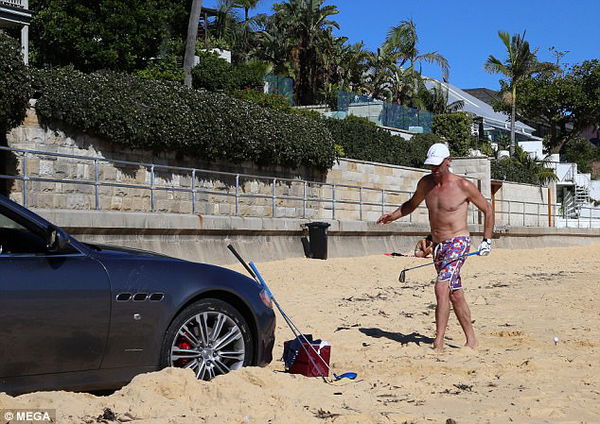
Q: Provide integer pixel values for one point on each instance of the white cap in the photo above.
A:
(436, 154)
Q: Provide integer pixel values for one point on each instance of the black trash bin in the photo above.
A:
(317, 232)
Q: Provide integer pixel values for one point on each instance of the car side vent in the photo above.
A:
(156, 297)
(123, 297)
(140, 297)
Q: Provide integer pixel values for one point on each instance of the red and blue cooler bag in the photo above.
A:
(300, 358)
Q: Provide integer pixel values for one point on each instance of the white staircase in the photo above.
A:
(582, 195)
(569, 207)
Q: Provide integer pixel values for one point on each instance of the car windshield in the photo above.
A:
(6, 222)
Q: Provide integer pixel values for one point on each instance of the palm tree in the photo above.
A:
(380, 75)
(190, 42)
(520, 64)
(436, 100)
(392, 75)
(402, 41)
(346, 65)
(305, 30)
(246, 5)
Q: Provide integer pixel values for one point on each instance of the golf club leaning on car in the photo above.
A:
(402, 276)
(253, 271)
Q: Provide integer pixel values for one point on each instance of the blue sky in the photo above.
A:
(466, 31)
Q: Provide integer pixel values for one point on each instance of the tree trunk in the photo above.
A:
(190, 42)
(512, 122)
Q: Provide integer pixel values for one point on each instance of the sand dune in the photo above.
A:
(382, 329)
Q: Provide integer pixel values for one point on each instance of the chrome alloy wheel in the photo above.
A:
(210, 343)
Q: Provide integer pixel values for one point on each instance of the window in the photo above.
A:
(16, 238)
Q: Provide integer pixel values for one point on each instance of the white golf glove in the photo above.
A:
(485, 248)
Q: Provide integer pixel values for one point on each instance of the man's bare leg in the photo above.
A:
(442, 313)
(463, 313)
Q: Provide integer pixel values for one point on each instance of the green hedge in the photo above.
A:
(216, 74)
(455, 128)
(510, 170)
(15, 88)
(363, 140)
(273, 101)
(165, 116)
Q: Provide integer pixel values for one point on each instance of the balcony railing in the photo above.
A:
(21, 4)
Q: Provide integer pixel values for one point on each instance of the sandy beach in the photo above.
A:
(382, 329)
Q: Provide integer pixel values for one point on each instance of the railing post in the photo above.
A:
(523, 214)
(538, 215)
(360, 203)
(25, 180)
(193, 191)
(237, 194)
(304, 199)
(273, 196)
(97, 183)
(152, 205)
(508, 212)
(333, 201)
(382, 201)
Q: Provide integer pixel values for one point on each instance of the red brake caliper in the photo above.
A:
(185, 345)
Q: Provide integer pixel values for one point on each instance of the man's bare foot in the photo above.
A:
(438, 347)
(472, 344)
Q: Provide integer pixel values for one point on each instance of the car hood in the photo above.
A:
(117, 250)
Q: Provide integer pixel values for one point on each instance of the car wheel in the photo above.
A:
(210, 337)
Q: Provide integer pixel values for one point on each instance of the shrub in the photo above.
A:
(165, 69)
(165, 116)
(419, 145)
(582, 152)
(214, 73)
(273, 101)
(522, 169)
(363, 141)
(313, 114)
(360, 120)
(456, 129)
(511, 170)
(15, 88)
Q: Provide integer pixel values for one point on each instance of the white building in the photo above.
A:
(14, 19)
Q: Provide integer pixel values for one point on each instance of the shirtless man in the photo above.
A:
(447, 197)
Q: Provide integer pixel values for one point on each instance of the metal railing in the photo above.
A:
(21, 4)
(327, 198)
(525, 214)
(312, 199)
(385, 114)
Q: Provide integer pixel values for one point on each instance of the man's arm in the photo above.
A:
(483, 205)
(407, 207)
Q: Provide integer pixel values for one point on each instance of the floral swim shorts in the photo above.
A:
(444, 253)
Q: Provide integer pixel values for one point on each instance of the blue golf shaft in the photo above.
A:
(450, 261)
(295, 329)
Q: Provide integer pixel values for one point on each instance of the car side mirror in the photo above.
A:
(57, 240)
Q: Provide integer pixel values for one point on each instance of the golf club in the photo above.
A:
(349, 375)
(253, 271)
(402, 276)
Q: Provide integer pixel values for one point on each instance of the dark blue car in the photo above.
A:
(79, 316)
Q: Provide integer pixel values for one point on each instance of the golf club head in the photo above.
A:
(348, 375)
(402, 276)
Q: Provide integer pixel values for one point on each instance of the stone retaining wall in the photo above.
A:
(172, 187)
(384, 186)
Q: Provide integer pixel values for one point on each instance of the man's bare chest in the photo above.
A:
(446, 198)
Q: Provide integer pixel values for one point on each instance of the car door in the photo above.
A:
(54, 306)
